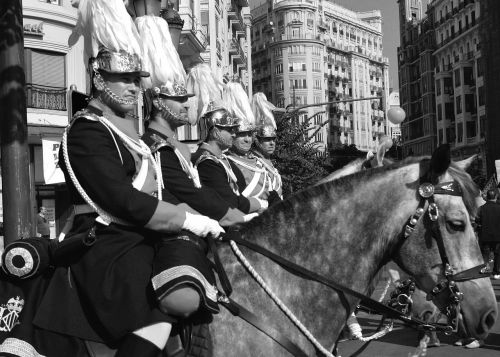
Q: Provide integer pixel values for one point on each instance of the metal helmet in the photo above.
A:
(262, 110)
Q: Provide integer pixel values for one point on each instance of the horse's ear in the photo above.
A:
(440, 161)
(465, 164)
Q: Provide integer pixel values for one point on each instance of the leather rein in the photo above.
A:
(446, 286)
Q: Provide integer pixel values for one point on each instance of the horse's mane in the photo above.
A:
(350, 182)
(469, 188)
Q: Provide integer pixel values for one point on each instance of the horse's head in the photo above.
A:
(440, 249)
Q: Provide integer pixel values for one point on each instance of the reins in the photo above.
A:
(451, 309)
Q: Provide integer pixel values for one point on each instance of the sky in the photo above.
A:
(390, 29)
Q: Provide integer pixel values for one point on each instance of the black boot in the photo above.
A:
(135, 346)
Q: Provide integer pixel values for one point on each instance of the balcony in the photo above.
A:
(236, 52)
(43, 97)
(194, 37)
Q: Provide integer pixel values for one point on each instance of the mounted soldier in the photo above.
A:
(182, 279)
(214, 168)
(103, 291)
(265, 140)
(254, 180)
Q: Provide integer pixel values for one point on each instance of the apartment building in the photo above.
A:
(416, 77)
(216, 32)
(441, 77)
(460, 81)
(51, 67)
(313, 51)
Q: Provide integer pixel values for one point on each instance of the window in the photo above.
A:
(448, 86)
(440, 112)
(460, 132)
(470, 104)
(438, 87)
(45, 79)
(471, 129)
(457, 78)
(458, 102)
(468, 76)
(480, 91)
(279, 68)
(440, 136)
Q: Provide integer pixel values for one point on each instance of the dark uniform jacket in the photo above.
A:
(177, 183)
(488, 219)
(213, 174)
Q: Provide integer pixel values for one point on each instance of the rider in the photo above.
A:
(254, 181)
(265, 139)
(214, 168)
(106, 295)
(182, 277)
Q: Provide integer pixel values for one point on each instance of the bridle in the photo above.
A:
(448, 286)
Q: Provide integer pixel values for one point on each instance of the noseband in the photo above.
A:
(446, 287)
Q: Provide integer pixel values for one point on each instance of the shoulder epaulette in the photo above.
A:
(158, 143)
(85, 114)
(206, 156)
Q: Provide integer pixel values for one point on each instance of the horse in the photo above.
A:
(346, 230)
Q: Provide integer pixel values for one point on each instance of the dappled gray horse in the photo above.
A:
(346, 230)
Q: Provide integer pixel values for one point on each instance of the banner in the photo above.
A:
(51, 171)
(490, 185)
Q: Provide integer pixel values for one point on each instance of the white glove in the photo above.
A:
(249, 217)
(263, 204)
(202, 225)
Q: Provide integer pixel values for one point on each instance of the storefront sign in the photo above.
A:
(51, 171)
(33, 29)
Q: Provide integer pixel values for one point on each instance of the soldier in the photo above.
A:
(265, 140)
(254, 180)
(182, 276)
(106, 295)
(214, 168)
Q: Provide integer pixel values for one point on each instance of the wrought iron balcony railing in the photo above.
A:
(45, 97)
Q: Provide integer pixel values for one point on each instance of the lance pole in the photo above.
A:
(14, 124)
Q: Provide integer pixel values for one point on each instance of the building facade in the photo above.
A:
(51, 67)
(216, 32)
(416, 77)
(313, 51)
(488, 46)
(442, 77)
(460, 90)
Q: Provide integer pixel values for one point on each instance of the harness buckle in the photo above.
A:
(426, 190)
(433, 211)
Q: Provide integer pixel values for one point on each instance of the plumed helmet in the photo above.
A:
(262, 110)
(236, 100)
(208, 98)
(110, 35)
(161, 59)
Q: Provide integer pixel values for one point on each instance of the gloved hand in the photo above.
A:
(250, 216)
(202, 225)
(263, 205)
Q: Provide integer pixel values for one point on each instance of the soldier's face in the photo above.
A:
(266, 145)
(126, 87)
(179, 108)
(225, 136)
(243, 141)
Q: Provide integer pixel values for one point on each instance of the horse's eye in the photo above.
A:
(455, 226)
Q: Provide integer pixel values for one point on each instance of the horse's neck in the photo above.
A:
(347, 230)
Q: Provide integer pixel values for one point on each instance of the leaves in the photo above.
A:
(298, 159)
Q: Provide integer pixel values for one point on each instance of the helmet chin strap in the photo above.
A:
(166, 110)
(113, 97)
